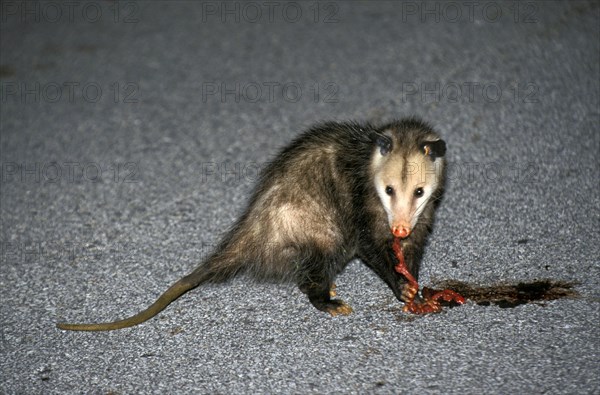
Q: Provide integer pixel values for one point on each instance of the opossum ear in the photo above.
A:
(434, 149)
(385, 144)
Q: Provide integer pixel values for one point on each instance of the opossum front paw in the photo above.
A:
(338, 307)
(416, 305)
(409, 292)
(430, 303)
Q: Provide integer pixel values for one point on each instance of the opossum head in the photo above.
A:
(407, 166)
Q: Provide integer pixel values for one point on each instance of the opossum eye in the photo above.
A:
(389, 190)
(419, 192)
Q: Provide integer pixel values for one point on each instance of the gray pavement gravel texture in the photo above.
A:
(131, 136)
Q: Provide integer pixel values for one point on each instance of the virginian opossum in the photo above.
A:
(337, 192)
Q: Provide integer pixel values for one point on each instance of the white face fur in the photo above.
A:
(404, 186)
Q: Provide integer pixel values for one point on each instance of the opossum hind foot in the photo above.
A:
(338, 307)
(333, 307)
(320, 297)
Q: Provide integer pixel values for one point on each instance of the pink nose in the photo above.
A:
(401, 231)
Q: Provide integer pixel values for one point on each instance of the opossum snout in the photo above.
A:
(401, 231)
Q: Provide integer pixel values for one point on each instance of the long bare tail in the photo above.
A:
(212, 271)
(175, 291)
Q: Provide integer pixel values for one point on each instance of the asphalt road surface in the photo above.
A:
(131, 136)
